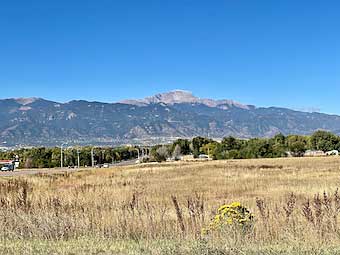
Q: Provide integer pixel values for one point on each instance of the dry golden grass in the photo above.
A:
(175, 200)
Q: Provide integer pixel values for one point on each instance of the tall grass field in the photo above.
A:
(167, 208)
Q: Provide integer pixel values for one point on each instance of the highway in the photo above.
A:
(25, 172)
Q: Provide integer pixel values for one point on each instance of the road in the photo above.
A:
(24, 172)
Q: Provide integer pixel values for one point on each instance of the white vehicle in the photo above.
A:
(7, 167)
(203, 156)
(106, 165)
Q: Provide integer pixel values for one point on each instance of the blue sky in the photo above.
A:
(267, 53)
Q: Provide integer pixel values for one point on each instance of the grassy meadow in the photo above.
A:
(162, 209)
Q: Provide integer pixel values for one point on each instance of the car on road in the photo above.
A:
(7, 168)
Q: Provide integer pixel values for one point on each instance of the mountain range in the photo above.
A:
(160, 118)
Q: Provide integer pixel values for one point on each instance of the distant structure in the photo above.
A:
(332, 153)
(202, 157)
(10, 164)
(311, 153)
(143, 153)
(318, 153)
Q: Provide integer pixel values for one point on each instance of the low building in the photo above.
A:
(201, 157)
(188, 158)
(311, 153)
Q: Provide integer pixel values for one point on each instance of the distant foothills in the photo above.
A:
(157, 119)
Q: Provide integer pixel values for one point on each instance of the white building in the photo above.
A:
(311, 153)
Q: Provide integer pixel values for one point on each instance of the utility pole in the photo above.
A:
(61, 155)
(103, 157)
(92, 156)
(78, 153)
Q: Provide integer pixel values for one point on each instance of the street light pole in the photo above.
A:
(78, 152)
(92, 157)
(61, 155)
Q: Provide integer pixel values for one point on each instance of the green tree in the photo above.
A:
(209, 149)
(184, 145)
(325, 141)
(297, 144)
(198, 143)
(231, 143)
(159, 153)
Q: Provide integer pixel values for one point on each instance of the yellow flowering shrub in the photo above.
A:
(233, 214)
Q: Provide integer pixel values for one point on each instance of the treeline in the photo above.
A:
(228, 148)
(233, 148)
(51, 157)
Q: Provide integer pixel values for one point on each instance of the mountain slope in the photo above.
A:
(35, 121)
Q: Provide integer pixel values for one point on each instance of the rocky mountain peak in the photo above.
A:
(173, 97)
(182, 97)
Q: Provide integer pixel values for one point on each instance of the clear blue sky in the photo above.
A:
(262, 52)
